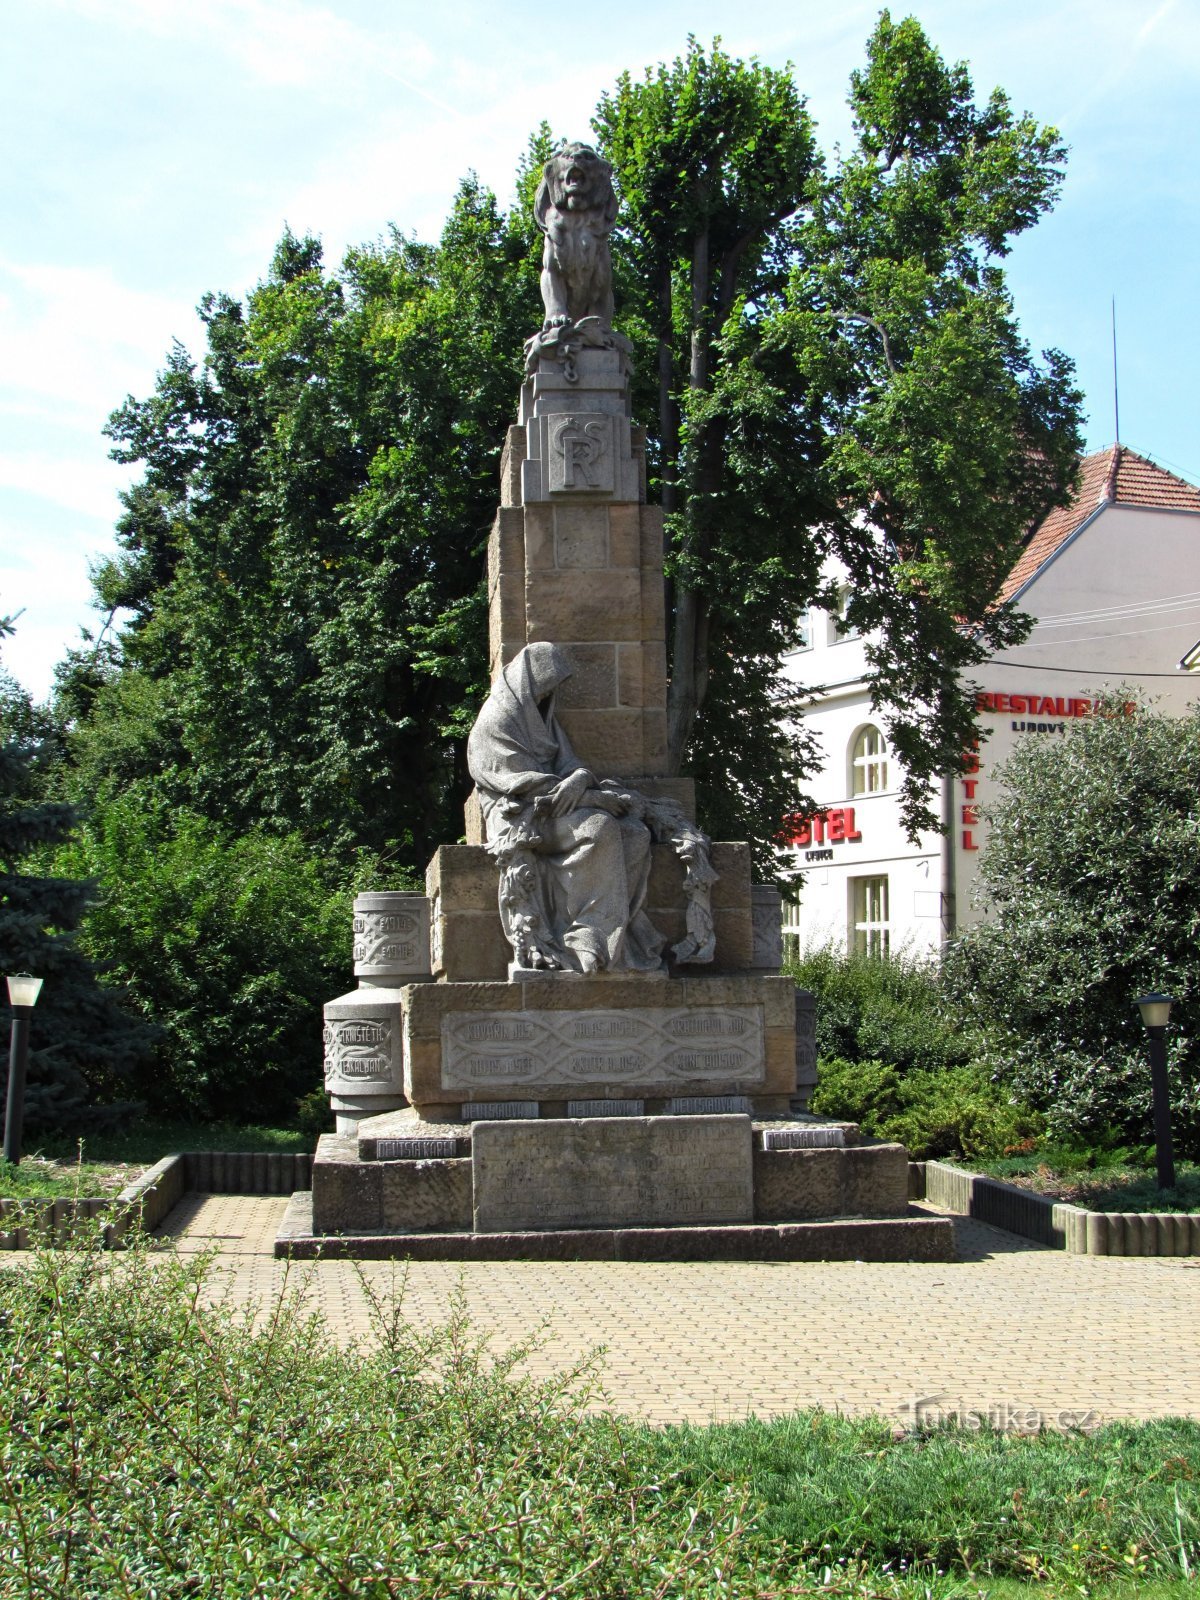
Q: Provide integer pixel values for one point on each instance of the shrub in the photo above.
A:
(156, 1441)
(1091, 885)
(958, 1111)
(889, 1009)
(230, 945)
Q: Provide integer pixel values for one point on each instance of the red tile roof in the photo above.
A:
(1117, 475)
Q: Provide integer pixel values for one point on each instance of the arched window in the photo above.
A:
(868, 761)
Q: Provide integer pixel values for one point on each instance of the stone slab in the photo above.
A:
(859, 1181)
(611, 1172)
(601, 1047)
(425, 1195)
(910, 1238)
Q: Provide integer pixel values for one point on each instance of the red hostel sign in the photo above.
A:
(834, 826)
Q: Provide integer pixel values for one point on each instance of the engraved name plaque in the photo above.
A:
(722, 1045)
(612, 1172)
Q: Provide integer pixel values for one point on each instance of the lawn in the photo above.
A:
(102, 1163)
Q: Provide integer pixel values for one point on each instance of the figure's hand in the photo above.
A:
(615, 801)
(565, 796)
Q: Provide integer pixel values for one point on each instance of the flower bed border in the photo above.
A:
(145, 1202)
(1052, 1222)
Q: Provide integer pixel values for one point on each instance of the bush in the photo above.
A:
(1090, 881)
(889, 1009)
(958, 1111)
(230, 945)
(157, 1442)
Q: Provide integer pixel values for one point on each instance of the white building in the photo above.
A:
(1113, 581)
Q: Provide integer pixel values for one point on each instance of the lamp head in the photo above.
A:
(1155, 1009)
(23, 990)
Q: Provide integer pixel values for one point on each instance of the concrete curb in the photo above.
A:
(1049, 1222)
(146, 1202)
(912, 1238)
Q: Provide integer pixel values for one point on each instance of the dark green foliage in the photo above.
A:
(85, 1046)
(839, 373)
(303, 556)
(950, 1111)
(229, 944)
(1119, 1500)
(148, 1139)
(1091, 883)
(889, 1010)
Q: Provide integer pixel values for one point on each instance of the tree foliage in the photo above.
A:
(828, 364)
(85, 1046)
(1092, 891)
(229, 944)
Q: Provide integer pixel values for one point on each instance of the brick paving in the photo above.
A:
(1010, 1329)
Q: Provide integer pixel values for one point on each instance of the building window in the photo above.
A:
(839, 628)
(804, 631)
(868, 761)
(869, 933)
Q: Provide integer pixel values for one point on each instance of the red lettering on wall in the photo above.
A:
(835, 825)
(969, 787)
(968, 841)
(970, 814)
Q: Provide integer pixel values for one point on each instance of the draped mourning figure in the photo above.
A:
(573, 849)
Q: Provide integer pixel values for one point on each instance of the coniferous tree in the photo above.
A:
(84, 1045)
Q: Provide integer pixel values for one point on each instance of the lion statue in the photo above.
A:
(575, 208)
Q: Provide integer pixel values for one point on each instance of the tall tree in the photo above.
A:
(839, 374)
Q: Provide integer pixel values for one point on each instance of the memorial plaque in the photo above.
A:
(362, 1037)
(803, 1138)
(612, 1172)
(415, 1149)
(700, 1105)
(490, 1110)
(606, 1108)
(647, 1045)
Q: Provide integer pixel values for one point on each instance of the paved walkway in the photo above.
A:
(1010, 1329)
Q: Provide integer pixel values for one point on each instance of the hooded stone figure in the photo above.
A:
(574, 852)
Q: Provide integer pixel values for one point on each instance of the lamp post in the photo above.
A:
(1156, 1013)
(22, 996)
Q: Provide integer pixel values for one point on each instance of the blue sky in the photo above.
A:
(155, 149)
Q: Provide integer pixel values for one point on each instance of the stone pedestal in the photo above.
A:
(364, 1062)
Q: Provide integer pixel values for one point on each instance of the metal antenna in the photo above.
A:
(1116, 391)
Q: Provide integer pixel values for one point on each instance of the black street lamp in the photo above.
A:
(1156, 1013)
(22, 996)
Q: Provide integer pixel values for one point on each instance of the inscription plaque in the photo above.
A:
(719, 1044)
(606, 1108)
(698, 1105)
(612, 1172)
(391, 935)
(489, 1110)
(415, 1149)
(803, 1139)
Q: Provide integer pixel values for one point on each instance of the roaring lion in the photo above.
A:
(575, 208)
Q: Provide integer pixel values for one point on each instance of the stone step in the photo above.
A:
(916, 1237)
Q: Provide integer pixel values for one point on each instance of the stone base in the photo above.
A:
(915, 1237)
(564, 1036)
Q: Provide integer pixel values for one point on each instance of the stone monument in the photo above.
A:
(598, 1052)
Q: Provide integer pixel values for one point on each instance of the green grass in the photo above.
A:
(148, 1141)
(156, 1440)
(35, 1178)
